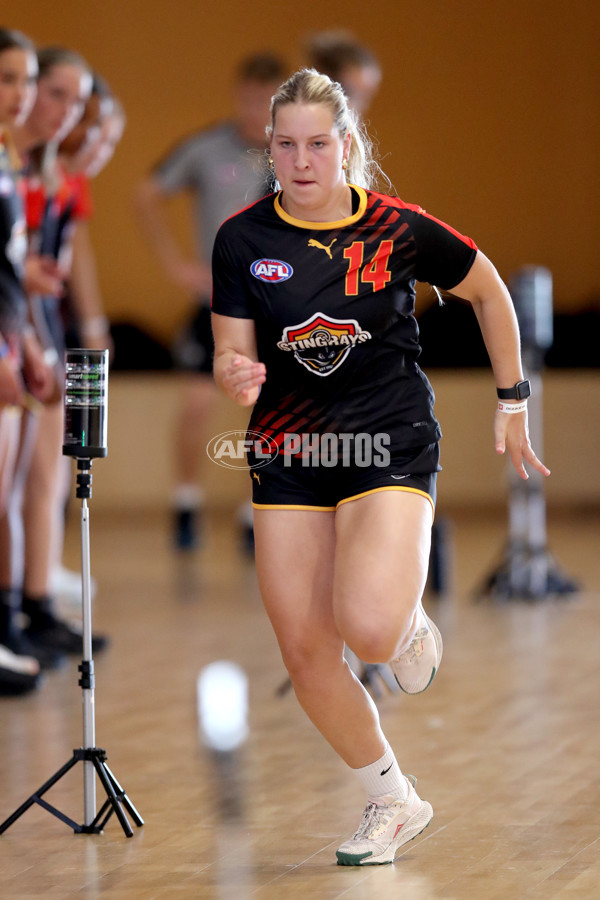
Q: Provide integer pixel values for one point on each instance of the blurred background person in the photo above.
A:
(21, 364)
(217, 167)
(27, 531)
(82, 155)
(338, 54)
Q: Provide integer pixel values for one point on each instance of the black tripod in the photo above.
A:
(92, 757)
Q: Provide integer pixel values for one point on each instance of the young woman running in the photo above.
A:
(313, 303)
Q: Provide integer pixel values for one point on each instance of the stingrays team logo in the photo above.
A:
(271, 270)
(321, 344)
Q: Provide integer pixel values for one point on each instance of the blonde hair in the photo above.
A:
(309, 86)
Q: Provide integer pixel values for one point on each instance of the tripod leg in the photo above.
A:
(102, 816)
(34, 797)
(110, 792)
(122, 796)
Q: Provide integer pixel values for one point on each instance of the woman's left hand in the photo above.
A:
(511, 433)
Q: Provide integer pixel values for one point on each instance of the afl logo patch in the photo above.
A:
(271, 270)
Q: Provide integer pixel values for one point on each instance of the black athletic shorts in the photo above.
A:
(325, 487)
(193, 349)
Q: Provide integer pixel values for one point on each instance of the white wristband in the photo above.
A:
(51, 356)
(512, 408)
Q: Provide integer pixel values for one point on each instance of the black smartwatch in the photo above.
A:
(520, 391)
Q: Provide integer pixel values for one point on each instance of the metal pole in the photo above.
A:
(89, 727)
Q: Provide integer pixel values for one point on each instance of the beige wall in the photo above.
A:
(137, 472)
(487, 117)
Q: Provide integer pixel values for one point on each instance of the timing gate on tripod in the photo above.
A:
(85, 438)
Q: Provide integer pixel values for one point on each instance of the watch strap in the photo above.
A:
(520, 391)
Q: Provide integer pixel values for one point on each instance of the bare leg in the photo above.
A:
(295, 564)
(9, 443)
(191, 431)
(42, 508)
(17, 437)
(382, 557)
(12, 544)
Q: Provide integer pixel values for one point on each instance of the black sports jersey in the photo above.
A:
(13, 248)
(333, 305)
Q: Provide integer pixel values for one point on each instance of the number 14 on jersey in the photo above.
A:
(374, 272)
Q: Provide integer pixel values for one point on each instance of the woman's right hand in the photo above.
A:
(242, 379)
(40, 376)
(43, 275)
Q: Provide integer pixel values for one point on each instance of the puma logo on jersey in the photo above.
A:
(254, 475)
(326, 247)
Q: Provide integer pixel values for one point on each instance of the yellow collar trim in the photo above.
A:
(323, 226)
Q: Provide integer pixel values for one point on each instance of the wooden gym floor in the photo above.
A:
(506, 743)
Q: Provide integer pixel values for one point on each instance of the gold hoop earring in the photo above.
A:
(344, 164)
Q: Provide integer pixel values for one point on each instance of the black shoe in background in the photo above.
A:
(46, 630)
(48, 657)
(186, 529)
(17, 675)
(248, 539)
(12, 636)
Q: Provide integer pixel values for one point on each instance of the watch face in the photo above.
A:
(523, 390)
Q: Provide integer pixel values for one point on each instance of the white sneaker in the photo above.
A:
(22, 665)
(415, 669)
(384, 829)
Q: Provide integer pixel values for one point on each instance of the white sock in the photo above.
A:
(245, 515)
(187, 496)
(383, 778)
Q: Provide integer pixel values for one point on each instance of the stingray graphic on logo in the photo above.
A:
(321, 344)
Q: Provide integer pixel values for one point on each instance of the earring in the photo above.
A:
(271, 164)
(344, 164)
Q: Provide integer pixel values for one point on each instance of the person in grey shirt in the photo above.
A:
(222, 169)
